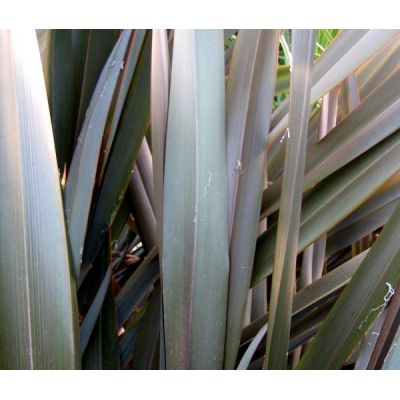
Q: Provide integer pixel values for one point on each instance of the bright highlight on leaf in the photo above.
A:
(200, 199)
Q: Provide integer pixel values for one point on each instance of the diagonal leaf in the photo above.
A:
(98, 332)
(142, 198)
(363, 354)
(100, 44)
(79, 186)
(137, 287)
(144, 354)
(374, 120)
(363, 299)
(313, 294)
(392, 360)
(346, 235)
(334, 199)
(128, 138)
(304, 301)
(388, 62)
(94, 311)
(348, 50)
(386, 333)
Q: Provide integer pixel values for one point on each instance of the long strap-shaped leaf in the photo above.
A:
(81, 179)
(238, 94)
(386, 333)
(343, 56)
(392, 360)
(305, 301)
(38, 316)
(283, 278)
(87, 326)
(250, 172)
(195, 226)
(137, 287)
(374, 120)
(142, 211)
(160, 66)
(248, 355)
(160, 76)
(100, 44)
(334, 199)
(60, 90)
(125, 148)
(313, 294)
(145, 353)
(363, 299)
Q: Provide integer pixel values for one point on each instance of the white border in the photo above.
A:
(199, 14)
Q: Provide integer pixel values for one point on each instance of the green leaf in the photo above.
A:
(347, 232)
(160, 71)
(80, 39)
(100, 44)
(284, 274)
(99, 340)
(195, 249)
(128, 138)
(137, 287)
(142, 210)
(282, 79)
(363, 354)
(238, 94)
(371, 122)
(248, 355)
(120, 220)
(386, 333)
(334, 199)
(79, 186)
(127, 68)
(392, 360)
(60, 89)
(87, 326)
(39, 322)
(349, 49)
(249, 175)
(311, 297)
(127, 344)
(363, 299)
(373, 72)
(144, 355)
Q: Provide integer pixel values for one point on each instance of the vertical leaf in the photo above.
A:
(250, 186)
(160, 66)
(160, 77)
(237, 104)
(60, 90)
(39, 314)
(195, 248)
(283, 277)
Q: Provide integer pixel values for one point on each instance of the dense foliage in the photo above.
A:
(200, 199)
